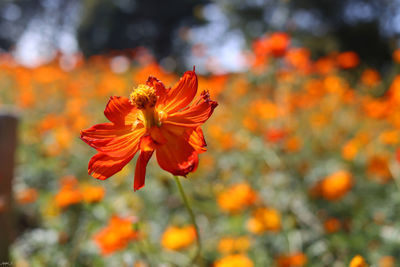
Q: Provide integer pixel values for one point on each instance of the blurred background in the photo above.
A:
(302, 167)
(183, 33)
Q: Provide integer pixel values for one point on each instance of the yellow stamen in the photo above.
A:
(143, 97)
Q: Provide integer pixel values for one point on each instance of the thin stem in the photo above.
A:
(192, 218)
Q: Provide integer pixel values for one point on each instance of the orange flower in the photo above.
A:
(293, 260)
(387, 261)
(277, 43)
(230, 245)
(396, 55)
(236, 198)
(378, 168)
(176, 238)
(116, 235)
(69, 193)
(27, 196)
(274, 135)
(358, 261)
(336, 185)
(264, 219)
(92, 194)
(332, 225)
(237, 260)
(154, 118)
(348, 60)
(370, 77)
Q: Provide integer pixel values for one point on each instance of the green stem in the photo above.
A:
(192, 218)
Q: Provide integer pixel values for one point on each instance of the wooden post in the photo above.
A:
(8, 144)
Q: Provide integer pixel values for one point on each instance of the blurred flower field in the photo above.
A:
(302, 167)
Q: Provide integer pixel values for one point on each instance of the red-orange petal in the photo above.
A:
(194, 115)
(179, 96)
(100, 134)
(118, 143)
(157, 85)
(176, 156)
(196, 140)
(140, 170)
(102, 166)
(120, 111)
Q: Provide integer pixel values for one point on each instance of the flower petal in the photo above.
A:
(157, 85)
(140, 171)
(179, 96)
(120, 111)
(176, 156)
(116, 141)
(101, 134)
(194, 115)
(196, 140)
(102, 166)
(114, 154)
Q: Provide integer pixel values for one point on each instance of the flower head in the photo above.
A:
(154, 119)
(358, 261)
(116, 235)
(176, 238)
(236, 260)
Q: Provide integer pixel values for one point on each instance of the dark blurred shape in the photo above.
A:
(118, 25)
(8, 144)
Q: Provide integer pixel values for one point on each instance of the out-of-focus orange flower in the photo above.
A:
(275, 135)
(264, 109)
(154, 119)
(332, 225)
(378, 168)
(390, 137)
(334, 186)
(236, 198)
(152, 69)
(215, 84)
(370, 77)
(377, 108)
(92, 194)
(358, 261)
(264, 219)
(335, 84)
(299, 58)
(274, 45)
(250, 123)
(69, 193)
(396, 55)
(223, 138)
(229, 245)
(116, 235)
(277, 43)
(348, 60)
(350, 150)
(293, 144)
(387, 261)
(27, 196)
(324, 65)
(297, 259)
(237, 260)
(394, 90)
(176, 238)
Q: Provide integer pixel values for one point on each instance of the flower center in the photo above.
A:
(144, 98)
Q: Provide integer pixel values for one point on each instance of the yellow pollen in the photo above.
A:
(143, 97)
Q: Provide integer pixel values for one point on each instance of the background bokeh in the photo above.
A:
(302, 167)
